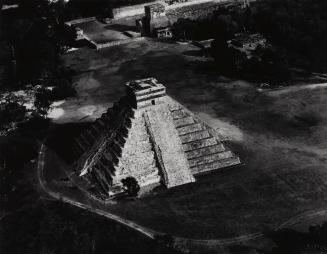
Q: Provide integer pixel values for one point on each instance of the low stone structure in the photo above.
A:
(79, 34)
(248, 44)
(164, 32)
(151, 137)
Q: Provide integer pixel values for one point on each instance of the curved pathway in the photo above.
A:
(187, 242)
(295, 88)
(40, 167)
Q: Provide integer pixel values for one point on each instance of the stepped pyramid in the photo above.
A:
(151, 137)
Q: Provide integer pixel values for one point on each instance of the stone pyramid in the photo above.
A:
(151, 137)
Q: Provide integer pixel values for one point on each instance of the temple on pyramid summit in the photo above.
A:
(151, 137)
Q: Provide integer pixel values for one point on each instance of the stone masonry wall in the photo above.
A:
(193, 12)
(137, 158)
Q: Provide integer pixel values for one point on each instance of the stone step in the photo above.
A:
(205, 150)
(115, 154)
(123, 134)
(190, 137)
(104, 161)
(149, 96)
(122, 131)
(98, 192)
(189, 128)
(120, 139)
(183, 121)
(116, 148)
(84, 141)
(105, 172)
(106, 178)
(200, 144)
(79, 146)
(98, 186)
(178, 114)
(89, 138)
(110, 167)
(76, 150)
(127, 123)
(97, 128)
(100, 179)
(107, 158)
(208, 158)
(203, 168)
(110, 156)
(91, 135)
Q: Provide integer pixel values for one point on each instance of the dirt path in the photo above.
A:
(40, 170)
(290, 89)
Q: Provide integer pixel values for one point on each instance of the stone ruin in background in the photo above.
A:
(155, 23)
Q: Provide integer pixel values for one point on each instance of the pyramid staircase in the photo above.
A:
(151, 137)
(168, 146)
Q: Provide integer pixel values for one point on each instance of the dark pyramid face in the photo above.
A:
(151, 137)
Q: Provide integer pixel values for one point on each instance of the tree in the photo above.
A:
(42, 101)
(11, 112)
(131, 186)
(223, 55)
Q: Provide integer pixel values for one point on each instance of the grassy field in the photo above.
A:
(280, 137)
(102, 33)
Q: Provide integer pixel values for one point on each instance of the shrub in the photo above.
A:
(131, 186)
